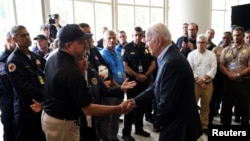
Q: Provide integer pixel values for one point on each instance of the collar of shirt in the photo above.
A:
(239, 47)
(160, 57)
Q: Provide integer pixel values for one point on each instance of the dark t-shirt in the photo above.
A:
(65, 89)
(137, 56)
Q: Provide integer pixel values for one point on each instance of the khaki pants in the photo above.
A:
(59, 130)
(204, 95)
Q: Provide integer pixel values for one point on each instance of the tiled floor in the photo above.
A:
(147, 127)
(154, 136)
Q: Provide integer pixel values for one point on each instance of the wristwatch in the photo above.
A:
(203, 79)
(238, 74)
(206, 81)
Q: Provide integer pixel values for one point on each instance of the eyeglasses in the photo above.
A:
(202, 42)
(123, 36)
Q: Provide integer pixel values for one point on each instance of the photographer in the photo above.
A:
(53, 21)
(189, 44)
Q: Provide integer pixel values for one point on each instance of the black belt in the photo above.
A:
(62, 118)
(242, 80)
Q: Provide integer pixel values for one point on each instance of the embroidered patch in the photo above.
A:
(94, 81)
(12, 67)
(244, 51)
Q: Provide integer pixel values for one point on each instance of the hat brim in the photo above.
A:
(85, 36)
(40, 38)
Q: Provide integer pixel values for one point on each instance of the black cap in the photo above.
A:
(72, 32)
(41, 36)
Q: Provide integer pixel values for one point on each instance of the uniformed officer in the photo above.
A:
(66, 94)
(139, 64)
(235, 65)
(96, 60)
(25, 71)
(91, 128)
(6, 93)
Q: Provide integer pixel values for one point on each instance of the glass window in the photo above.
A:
(103, 0)
(124, 13)
(170, 3)
(174, 30)
(218, 4)
(230, 3)
(141, 16)
(63, 8)
(125, 1)
(156, 3)
(102, 18)
(5, 21)
(218, 25)
(80, 10)
(228, 21)
(156, 15)
(141, 2)
(244, 2)
(31, 16)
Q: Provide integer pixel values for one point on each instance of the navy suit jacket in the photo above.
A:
(177, 112)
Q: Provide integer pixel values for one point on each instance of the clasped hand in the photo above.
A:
(127, 106)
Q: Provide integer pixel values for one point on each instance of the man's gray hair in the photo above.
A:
(159, 29)
(15, 30)
(107, 33)
(203, 37)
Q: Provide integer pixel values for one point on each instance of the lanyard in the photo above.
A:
(236, 52)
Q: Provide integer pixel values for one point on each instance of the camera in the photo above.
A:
(51, 20)
(185, 39)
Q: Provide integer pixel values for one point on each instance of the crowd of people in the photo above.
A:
(64, 88)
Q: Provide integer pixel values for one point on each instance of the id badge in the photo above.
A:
(140, 69)
(40, 79)
(232, 66)
(119, 74)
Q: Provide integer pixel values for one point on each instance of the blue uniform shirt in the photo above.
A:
(115, 63)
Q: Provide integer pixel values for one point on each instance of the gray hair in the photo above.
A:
(15, 30)
(108, 32)
(159, 29)
(202, 36)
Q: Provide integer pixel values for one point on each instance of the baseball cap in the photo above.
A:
(41, 36)
(72, 32)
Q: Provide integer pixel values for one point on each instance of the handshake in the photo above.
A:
(127, 106)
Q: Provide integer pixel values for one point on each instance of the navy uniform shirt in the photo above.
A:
(6, 90)
(98, 89)
(65, 89)
(96, 60)
(137, 56)
(26, 76)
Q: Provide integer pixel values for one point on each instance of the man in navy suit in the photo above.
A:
(177, 112)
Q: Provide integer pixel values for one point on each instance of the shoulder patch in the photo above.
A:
(94, 81)
(12, 67)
